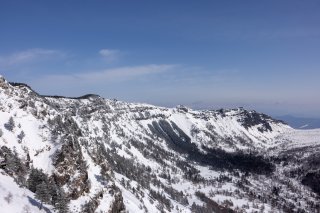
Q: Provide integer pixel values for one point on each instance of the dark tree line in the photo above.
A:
(47, 190)
(13, 165)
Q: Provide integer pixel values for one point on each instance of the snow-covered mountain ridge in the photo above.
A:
(110, 156)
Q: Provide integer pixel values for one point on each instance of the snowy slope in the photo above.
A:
(299, 138)
(15, 199)
(112, 156)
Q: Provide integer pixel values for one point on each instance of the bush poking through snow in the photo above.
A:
(10, 125)
(21, 136)
(8, 198)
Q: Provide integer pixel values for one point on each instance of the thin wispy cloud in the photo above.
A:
(109, 55)
(29, 56)
(124, 73)
(107, 75)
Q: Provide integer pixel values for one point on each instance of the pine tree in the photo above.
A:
(54, 190)
(35, 178)
(42, 193)
(12, 163)
(62, 203)
(15, 167)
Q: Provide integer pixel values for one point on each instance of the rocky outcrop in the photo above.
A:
(117, 205)
(71, 168)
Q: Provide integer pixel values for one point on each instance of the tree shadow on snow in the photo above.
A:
(38, 204)
(100, 179)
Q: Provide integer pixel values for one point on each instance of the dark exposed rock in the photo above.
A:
(117, 205)
(68, 162)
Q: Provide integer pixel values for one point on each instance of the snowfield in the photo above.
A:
(300, 138)
(109, 156)
(16, 199)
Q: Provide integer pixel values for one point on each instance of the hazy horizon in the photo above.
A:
(257, 55)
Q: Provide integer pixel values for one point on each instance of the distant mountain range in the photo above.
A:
(299, 122)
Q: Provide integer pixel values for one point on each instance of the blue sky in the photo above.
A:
(262, 55)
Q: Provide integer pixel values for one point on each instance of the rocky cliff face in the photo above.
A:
(99, 155)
